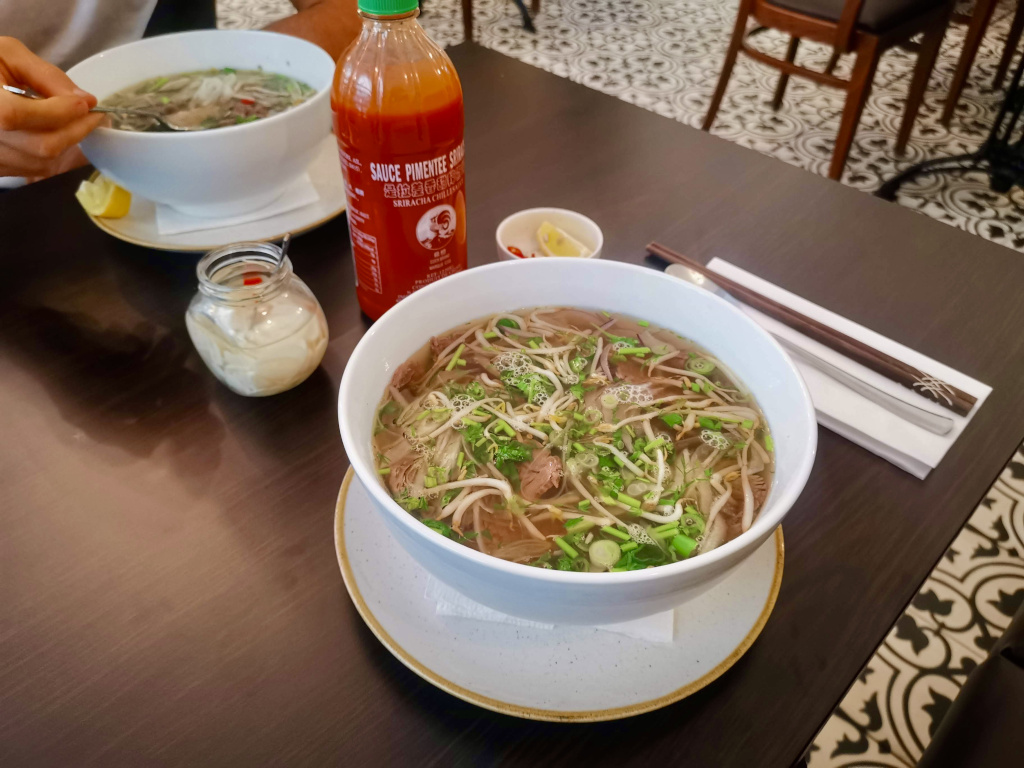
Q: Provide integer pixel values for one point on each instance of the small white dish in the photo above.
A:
(520, 230)
(140, 226)
(471, 659)
(220, 172)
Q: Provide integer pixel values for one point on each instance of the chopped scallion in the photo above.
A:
(455, 358)
(627, 500)
(616, 533)
(564, 546)
(684, 545)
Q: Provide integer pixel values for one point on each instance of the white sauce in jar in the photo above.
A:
(261, 348)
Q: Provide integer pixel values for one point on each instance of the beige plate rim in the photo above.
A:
(204, 248)
(534, 713)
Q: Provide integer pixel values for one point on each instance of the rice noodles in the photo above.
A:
(532, 436)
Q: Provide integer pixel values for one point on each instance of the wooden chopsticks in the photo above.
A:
(910, 377)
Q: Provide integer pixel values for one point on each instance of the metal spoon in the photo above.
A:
(159, 119)
(933, 422)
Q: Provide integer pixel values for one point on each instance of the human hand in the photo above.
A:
(39, 137)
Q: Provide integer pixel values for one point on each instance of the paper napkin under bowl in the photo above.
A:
(298, 194)
(842, 410)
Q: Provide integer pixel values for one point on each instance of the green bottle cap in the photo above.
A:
(387, 7)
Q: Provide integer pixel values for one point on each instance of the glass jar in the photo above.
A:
(255, 324)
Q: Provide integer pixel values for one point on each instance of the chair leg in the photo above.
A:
(975, 32)
(832, 61)
(467, 20)
(857, 92)
(929, 51)
(739, 30)
(1011, 45)
(780, 89)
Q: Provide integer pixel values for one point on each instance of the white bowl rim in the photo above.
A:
(497, 232)
(802, 471)
(103, 130)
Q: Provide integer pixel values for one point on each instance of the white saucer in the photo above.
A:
(546, 674)
(139, 226)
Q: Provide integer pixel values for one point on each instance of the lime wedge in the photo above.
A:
(555, 242)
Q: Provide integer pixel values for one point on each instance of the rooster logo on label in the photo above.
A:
(436, 227)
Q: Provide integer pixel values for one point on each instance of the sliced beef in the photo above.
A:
(631, 370)
(403, 473)
(439, 344)
(406, 373)
(539, 475)
(733, 508)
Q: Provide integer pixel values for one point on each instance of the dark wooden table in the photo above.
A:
(169, 592)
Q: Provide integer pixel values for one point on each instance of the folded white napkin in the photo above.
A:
(846, 412)
(298, 194)
(658, 628)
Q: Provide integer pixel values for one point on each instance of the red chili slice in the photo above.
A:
(252, 281)
(250, 102)
(512, 249)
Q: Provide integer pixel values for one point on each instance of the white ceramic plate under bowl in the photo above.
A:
(139, 226)
(554, 675)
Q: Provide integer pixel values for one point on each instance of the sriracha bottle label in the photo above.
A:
(406, 218)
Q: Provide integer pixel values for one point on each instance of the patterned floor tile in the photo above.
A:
(961, 609)
(842, 744)
(891, 711)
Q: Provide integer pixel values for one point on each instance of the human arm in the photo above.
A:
(331, 24)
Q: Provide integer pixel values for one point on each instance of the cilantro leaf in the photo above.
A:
(514, 452)
(411, 503)
(441, 527)
(507, 456)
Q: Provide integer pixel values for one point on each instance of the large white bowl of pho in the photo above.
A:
(575, 441)
(258, 104)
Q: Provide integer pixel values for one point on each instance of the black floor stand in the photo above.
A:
(999, 157)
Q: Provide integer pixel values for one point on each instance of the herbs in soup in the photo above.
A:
(573, 440)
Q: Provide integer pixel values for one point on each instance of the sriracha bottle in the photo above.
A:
(398, 118)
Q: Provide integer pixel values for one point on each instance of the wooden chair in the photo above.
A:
(865, 28)
(977, 23)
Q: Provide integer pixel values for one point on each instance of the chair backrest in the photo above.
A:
(839, 33)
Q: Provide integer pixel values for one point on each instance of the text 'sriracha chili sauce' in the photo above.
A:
(397, 106)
